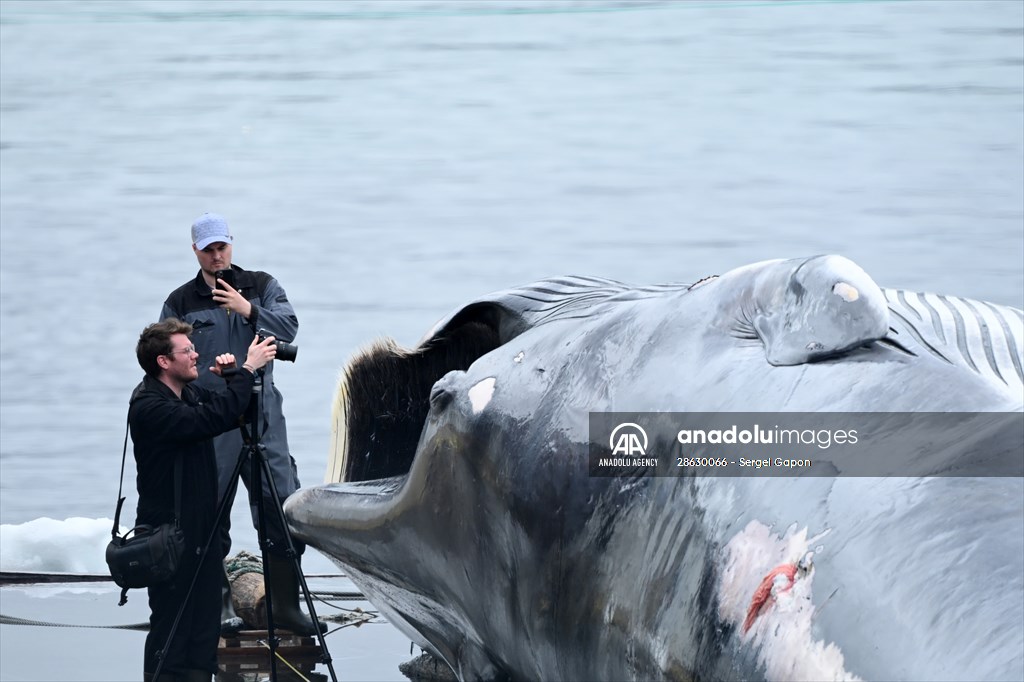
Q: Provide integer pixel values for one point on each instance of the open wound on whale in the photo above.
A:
(766, 590)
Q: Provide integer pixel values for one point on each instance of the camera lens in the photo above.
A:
(286, 352)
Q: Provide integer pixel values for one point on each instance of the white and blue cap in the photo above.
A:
(209, 228)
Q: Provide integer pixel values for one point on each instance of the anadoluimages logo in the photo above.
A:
(628, 439)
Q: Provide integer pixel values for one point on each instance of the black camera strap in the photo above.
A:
(120, 484)
(120, 496)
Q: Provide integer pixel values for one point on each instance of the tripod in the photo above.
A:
(255, 453)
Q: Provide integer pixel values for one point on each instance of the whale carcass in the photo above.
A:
(464, 501)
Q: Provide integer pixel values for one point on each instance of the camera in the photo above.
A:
(227, 276)
(285, 351)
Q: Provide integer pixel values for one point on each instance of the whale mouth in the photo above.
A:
(384, 396)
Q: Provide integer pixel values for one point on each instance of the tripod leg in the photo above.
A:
(258, 460)
(290, 567)
(289, 571)
(230, 623)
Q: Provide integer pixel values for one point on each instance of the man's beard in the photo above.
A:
(187, 377)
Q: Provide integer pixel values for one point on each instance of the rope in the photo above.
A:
(11, 620)
(284, 660)
(30, 578)
(242, 563)
(336, 596)
(238, 565)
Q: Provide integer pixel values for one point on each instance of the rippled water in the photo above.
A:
(388, 161)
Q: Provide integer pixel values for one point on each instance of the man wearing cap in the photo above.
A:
(225, 318)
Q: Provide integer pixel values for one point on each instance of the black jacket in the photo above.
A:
(163, 426)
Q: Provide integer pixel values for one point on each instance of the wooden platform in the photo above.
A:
(251, 643)
(246, 654)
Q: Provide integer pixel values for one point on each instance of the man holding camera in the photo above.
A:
(173, 423)
(226, 306)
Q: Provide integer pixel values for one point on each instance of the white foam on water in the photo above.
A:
(45, 545)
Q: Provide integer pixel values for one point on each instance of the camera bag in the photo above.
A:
(145, 556)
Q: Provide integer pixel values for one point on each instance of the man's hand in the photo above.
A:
(227, 297)
(223, 362)
(260, 353)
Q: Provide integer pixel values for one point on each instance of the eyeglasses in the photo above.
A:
(188, 351)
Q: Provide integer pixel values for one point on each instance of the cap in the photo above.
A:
(209, 228)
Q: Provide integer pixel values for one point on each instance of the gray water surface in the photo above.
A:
(388, 161)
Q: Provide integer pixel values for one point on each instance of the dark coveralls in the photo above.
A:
(216, 331)
(163, 427)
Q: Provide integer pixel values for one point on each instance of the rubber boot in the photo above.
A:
(284, 595)
(194, 675)
(230, 623)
